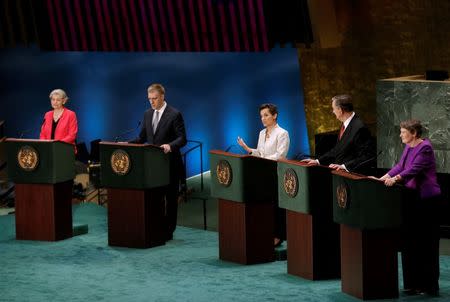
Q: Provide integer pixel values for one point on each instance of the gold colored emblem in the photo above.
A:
(224, 173)
(341, 196)
(28, 158)
(290, 182)
(120, 162)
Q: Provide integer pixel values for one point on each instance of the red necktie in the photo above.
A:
(341, 132)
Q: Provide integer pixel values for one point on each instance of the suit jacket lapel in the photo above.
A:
(348, 129)
(162, 120)
(149, 126)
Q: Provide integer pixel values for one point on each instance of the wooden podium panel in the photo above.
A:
(313, 246)
(135, 176)
(44, 211)
(246, 188)
(43, 173)
(312, 235)
(369, 263)
(136, 217)
(246, 232)
(371, 216)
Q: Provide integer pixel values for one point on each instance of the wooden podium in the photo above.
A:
(312, 235)
(246, 187)
(135, 177)
(43, 173)
(370, 215)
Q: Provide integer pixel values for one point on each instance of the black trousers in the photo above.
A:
(177, 183)
(279, 222)
(420, 245)
(172, 192)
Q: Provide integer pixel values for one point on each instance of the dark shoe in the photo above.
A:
(169, 237)
(410, 291)
(431, 291)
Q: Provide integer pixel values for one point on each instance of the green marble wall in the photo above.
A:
(428, 101)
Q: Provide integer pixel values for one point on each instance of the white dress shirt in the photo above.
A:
(275, 146)
(347, 121)
(161, 111)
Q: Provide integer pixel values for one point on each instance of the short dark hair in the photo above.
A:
(343, 101)
(272, 108)
(413, 126)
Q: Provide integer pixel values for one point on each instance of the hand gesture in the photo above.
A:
(241, 143)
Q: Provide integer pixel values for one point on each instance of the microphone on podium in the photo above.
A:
(234, 146)
(229, 147)
(23, 132)
(367, 160)
(300, 156)
(116, 139)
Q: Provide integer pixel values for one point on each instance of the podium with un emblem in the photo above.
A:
(135, 176)
(312, 235)
(370, 215)
(246, 187)
(43, 173)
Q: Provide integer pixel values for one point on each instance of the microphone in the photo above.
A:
(229, 147)
(300, 156)
(116, 139)
(235, 146)
(367, 160)
(23, 132)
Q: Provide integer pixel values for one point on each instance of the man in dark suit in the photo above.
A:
(163, 126)
(354, 150)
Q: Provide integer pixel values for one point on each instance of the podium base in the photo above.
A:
(246, 232)
(313, 242)
(369, 263)
(136, 217)
(44, 211)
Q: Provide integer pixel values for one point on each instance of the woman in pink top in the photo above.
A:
(60, 123)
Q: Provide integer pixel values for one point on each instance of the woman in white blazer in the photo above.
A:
(273, 143)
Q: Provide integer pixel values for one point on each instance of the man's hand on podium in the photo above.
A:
(338, 167)
(310, 161)
(166, 148)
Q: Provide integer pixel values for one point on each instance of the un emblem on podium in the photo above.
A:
(342, 196)
(120, 162)
(290, 182)
(27, 158)
(224, 173)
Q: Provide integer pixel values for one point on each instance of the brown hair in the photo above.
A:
(413, 126)
(343, 101)
(272, 108)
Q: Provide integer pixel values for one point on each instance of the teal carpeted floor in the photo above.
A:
(85, 268)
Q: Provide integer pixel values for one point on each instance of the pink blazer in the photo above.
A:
(66, 130)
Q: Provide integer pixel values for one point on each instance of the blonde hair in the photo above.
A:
(59, 92)
(156, 87)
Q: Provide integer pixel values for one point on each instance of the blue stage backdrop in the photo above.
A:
(218, 93)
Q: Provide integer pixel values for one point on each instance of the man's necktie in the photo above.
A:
(155, 120)
(341, 132)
